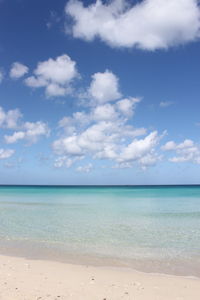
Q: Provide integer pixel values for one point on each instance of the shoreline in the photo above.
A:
(23, 278)
(37, 251)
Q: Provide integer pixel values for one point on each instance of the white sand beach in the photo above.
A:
(26, 279)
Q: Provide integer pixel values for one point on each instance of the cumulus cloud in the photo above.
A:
(85, 169)
(6, 153)
(108, 140)
(149, 159)
(55, 75)
(149, 24)
(18, 70)
(106, 134)
(30, 131)
(127, 105)
(95, 138)
(120, 110)
(65, 161)
(171, 145)
(104, 112)
(104, 87)
(187, 151)
(139, 148)
(105, 131)
(10, 119)
(71, 124)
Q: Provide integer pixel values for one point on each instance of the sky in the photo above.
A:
(99, 92)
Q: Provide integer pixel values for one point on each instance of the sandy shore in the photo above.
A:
(25, 279)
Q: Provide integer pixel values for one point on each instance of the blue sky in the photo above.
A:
(99, 92)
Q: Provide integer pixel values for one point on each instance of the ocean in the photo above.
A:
(149, 228)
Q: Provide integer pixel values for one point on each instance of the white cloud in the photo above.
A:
(149, 24)
(78, 117)
(85, 169)
(127, 105)
(31, 131)
(108, 140)
(106, 135)
(18, 70)
(122, 165)
(2, 116)
(105, 130)
(65, 161)
(54, 89)
(185, 144)
(149, 159)
(67, 145)
(36, 82)
(6, 153)
(55, 75)
(10, 119)
(164, 104)
(13, 118)
(120, 110)
(171, 145)
(16, 136)
(1, 76)
(142, 149)
(104, 87)
(187, 151)
(104, 112)
(71, 124)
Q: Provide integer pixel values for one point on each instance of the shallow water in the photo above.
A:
(151, 225)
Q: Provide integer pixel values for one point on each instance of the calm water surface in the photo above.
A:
(130, 224)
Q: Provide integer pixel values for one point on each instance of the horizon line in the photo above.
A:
(98, 185)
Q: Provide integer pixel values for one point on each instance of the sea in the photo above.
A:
(149, 228)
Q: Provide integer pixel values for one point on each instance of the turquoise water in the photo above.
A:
(124, 223)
